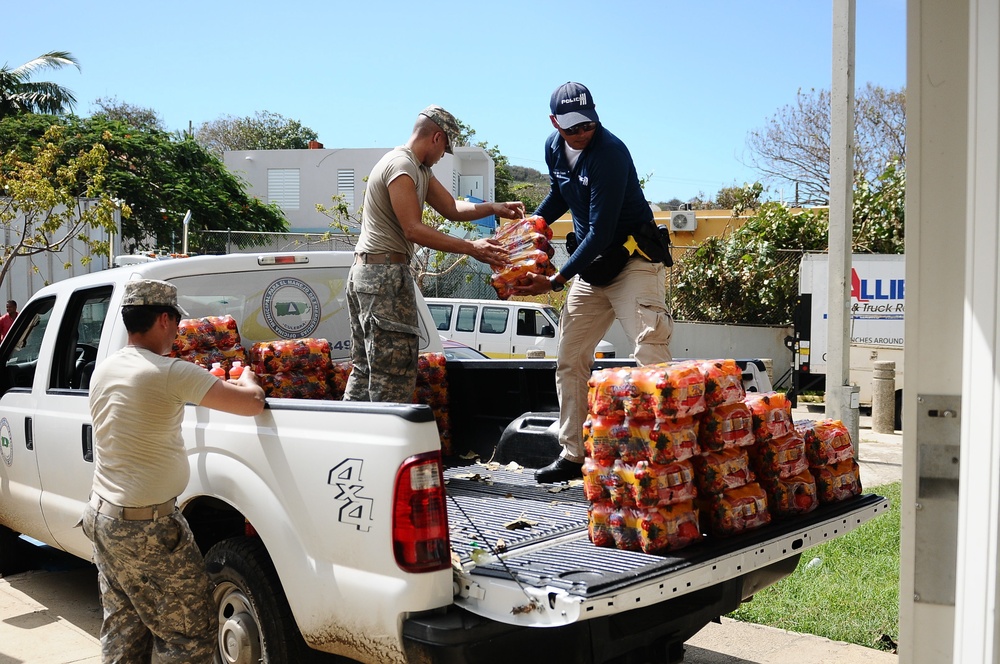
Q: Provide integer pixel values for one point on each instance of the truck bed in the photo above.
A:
(552, 548)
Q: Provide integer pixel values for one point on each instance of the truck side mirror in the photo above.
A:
(548, 331)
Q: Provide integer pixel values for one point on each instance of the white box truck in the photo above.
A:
(878, 287)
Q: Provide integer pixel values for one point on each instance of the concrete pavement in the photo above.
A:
(53, 616)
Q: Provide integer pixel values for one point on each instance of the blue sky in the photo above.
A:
(681, 82)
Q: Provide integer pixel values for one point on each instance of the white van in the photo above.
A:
(502, 329)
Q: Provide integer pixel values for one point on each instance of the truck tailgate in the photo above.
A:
(549, 573)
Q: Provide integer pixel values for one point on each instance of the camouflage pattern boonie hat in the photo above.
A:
(448, 124)
(152, 293)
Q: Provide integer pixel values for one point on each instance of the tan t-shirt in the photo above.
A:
(137, 403)
(381, 232)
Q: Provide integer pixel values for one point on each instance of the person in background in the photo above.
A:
(592, 175)
(381, 293)
(7, 320)
(155, 588)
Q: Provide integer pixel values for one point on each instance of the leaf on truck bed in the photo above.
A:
(469, 455)
(474, 477)
(520, 523)
(514, 466)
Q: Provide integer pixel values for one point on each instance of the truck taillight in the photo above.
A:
(419, 518)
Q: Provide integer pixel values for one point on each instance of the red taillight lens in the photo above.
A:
(419, 518)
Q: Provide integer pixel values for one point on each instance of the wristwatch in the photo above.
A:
(556, 285)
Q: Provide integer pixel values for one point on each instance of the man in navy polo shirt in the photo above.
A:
(591, 174)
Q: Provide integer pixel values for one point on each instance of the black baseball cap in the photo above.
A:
(572, 104)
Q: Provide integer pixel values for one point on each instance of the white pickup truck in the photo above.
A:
(336, 527)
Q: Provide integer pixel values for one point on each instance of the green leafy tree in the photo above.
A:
(159, 176)
(793, 149)
(130, 114)
(19, 94)
(40, 199)
(750, 274)
(262, 131)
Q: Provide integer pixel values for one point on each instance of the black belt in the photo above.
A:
(148, 513)
(381, 259)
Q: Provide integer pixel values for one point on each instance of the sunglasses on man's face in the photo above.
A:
(582, 127)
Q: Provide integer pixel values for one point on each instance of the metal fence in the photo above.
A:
(471, 279)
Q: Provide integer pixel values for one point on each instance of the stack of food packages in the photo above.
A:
(208, 340)
(294, 368)
(530, 252)
(640, 437)
(831, 458)
(730, 499)
(432, 390)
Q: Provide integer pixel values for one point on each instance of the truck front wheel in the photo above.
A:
(255, 622)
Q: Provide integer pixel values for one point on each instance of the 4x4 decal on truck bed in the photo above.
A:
(356, 510)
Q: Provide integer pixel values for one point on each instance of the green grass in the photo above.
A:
(853, 595)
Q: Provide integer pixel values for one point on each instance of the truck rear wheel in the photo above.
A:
(255, 621)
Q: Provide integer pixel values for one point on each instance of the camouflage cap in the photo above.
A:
(448, 124)
(152, 293)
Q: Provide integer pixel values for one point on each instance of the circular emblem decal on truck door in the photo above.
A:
(6, 444)
(291, 308)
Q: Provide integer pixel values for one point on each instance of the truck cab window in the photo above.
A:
(23, 345)
(79, 338)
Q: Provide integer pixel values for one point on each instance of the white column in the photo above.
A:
(978, 513)
(838, 395)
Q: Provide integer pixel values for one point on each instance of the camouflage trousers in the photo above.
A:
(384, 333)
(155, 590)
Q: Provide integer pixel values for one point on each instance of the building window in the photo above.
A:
(283, 187)
(345, 186)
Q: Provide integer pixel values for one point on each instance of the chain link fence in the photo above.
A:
(719, 301)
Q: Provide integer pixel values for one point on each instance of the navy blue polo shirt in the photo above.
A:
(601, 191)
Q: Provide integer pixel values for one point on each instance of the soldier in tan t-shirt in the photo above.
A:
(154, 586)
(381, 294)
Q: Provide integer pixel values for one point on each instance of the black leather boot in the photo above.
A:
(560, 470)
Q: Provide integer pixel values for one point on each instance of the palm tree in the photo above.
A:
(18, 94)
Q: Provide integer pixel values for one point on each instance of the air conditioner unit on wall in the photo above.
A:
(683, 220)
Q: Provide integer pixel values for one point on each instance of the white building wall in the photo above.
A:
(318, 176)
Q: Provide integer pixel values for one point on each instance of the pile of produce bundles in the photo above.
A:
(530, 252)
(208, 340)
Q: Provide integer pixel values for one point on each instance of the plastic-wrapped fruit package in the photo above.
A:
(653, 485)
(666, 390)
(781, 457)
(602, 436)
(663, 440)
(529, 252)
(827, 441)
(206, 357)
(716, 472)
(668, 528)
(794, 495)
(624, 523)
(838, 481)
(599, 524)
(609, 390)
(772, 414)
(723, 427)
(723, 382)
(620, 486)
(204, 333)
(598, 480)
(305, 384)
(284, 355)
(339, 374)
(735, 510)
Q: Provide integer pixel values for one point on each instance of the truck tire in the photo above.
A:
(255, 621)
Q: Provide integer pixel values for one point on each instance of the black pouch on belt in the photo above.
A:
(603, 270)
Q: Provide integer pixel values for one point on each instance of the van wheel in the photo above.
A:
(255, 621)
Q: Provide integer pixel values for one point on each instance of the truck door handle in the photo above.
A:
(29, 438)
(88, 443)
